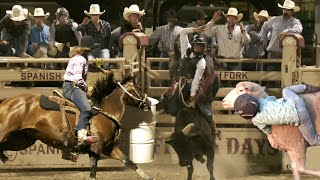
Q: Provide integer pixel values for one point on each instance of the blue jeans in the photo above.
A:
(205, 109)
(306, 126)
(79, 98)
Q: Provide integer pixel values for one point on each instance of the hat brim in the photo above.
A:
(19, 18)
(256, 15)
(44, 15)
(239, 16)
(295, 8)
(97, 13)
(127, 12)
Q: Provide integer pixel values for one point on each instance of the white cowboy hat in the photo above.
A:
(17, 13)
(132, 9)
(94, 9)
(262, 13)
(234, 12)
(38, 12)
(288, 4)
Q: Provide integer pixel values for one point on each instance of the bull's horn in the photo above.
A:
(187, 130)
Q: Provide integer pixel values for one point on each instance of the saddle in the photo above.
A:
(57, 102)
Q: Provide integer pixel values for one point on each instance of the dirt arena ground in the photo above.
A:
(160, 172)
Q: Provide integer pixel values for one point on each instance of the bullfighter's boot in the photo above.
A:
(311, 89)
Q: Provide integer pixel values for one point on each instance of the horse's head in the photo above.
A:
(135, 96)
(242, 88)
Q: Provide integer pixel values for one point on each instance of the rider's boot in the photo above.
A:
(311, 89)
(83, 139)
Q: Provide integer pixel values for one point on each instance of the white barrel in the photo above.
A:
(142, 138)
(141, 144)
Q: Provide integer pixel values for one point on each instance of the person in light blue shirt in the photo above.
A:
(278, 27)
(290, 110)
(39, 34)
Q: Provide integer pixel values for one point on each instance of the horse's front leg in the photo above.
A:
(190, 171)
(117, 154)
(210, 160)
(93, 165)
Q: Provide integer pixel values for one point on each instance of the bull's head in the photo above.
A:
(180, 143)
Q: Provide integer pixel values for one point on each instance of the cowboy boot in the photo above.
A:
(311, 89)
(83, 139)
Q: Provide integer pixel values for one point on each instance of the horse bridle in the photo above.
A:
(143, 102)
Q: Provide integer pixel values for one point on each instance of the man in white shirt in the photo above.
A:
(230, 37)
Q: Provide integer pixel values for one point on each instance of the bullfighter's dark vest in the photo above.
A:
(64, 34)
(188, 66)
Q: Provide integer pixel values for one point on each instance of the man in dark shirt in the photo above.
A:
(63, 34)
(15, 31)
(100, 30)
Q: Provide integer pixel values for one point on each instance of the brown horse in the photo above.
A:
(284, 137)
(23, 122)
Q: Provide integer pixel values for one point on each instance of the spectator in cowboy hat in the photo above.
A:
(39, 34)
(278, 27)
(254, 48)
(100, 30)
(15, 31)
(131, 16)
(63, 34)
(230, 37)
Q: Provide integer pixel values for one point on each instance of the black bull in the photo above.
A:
(201, 142)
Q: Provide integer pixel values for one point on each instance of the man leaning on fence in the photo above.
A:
(15, 31)
(100, 30)
(39, 35)
(279, 26)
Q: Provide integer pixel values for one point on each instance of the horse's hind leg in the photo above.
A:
(117, 154)
(210, 160)
(298, 160)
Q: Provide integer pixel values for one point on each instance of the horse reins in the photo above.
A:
(129, 94)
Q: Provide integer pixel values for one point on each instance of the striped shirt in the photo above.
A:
(166, 37)
(103, 36)
(230, 45)
(276, 25)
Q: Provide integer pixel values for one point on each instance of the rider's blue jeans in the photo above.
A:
(79, 98)
(306, 126)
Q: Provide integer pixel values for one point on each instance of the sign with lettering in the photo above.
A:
(41, 155)
(41, 76)
(240, 149)
(249, 75)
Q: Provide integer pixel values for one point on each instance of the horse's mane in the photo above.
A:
(105, 86)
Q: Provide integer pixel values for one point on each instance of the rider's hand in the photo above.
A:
(3, 42)
(241, 27)
(192, 102)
